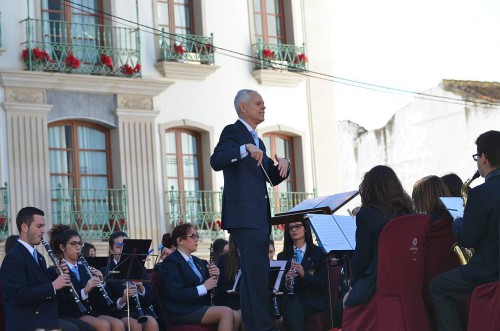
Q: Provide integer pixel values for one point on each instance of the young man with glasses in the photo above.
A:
(477, 229)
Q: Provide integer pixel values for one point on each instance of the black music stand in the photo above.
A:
(131, 264)
(320, 205)
(97, 262)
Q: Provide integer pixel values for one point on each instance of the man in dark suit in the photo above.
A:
(241, 155)
(477, 229)
(29, 292)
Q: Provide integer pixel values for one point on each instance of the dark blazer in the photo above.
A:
(180, 296)
(478, 229)
(369, 223)
(29, 297)
(222, 298)
(313, 287)
(245, 203)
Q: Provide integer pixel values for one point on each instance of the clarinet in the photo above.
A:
(142, 317)
(291, 289)
(101, 288)
(72, 290)
(276, 309)
(211, 262)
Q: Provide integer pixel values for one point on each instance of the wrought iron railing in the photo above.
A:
(94, 213)
(279, 56)
(188, 48)
(4, 212)
(96, 49)
(203, 209)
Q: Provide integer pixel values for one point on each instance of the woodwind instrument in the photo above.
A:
(142, 317)
(57, 265)
(101, 288)
(291, 289)
(210, 263)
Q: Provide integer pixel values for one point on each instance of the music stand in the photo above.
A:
(97, 262)
(320, 205)
(131, 264)
(276, 272)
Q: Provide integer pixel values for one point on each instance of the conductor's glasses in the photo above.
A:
(193, 236)
(476, 156)
(296, 227)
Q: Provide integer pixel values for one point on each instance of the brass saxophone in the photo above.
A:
(465, 254)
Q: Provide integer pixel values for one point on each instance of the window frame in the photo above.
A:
(170, 28)
(264, 16)
(272, 151)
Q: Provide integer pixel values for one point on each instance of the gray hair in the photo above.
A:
(243, 96)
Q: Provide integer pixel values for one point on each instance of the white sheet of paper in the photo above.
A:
(454, 206)
(278, 264)
(334, 233)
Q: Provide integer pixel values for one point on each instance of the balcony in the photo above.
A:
(186, 56)
(94, 213)
(79, 48)
(4, 213)
(203, 209)
(277, 64)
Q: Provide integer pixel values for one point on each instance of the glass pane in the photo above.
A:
(89, 138)
(188, 144)
(279, 33)
(273, 40)
(60, 137)
(93, 163)
(271, 6)
(181, 16)
(65, 182)
(60, 162)
(170, 142)
(191, 185)
(258, 24)
(190, 164)
(267, 143)
(172, 165)
(256, 5)
(162, 13)
(271, 26)
(94, 183)
(281, 147)
(172, 182)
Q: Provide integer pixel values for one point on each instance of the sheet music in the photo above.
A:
(332, 201)
(334, 233)
(281, 264)
(454, 206)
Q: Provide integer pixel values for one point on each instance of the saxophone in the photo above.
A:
(464, 254)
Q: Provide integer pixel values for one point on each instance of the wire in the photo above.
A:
(253, 59)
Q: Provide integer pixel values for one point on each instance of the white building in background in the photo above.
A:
(108, 123)
(425, 137)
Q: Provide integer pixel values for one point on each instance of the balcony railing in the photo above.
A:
(94, 213)
(279, 57)
(4, 212)
(95, 49)
(188, 48)
(203, 209)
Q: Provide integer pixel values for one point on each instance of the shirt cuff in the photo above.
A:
(243, 151)
(84, 295)
(202, 290)
(118, 305)
(143, 293)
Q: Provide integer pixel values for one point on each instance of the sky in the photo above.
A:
(409, 45)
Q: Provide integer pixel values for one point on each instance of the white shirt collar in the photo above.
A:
(303, 248)
(28, 246)
(247, 125)
(186, 257)
(70, 265)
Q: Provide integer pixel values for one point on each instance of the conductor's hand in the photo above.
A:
(210, 283)
(255, 153)
(282, 165)
(298, 269)
(213, 271)
(91, 283)
(62, 281)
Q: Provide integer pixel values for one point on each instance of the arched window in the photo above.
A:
(281, 145)
(269, 20)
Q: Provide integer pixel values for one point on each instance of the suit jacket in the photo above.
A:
(369, 223)
(313, 287)
(29, 297)
(479, 230)
(245, 201)
(222, 298)
(180, 296)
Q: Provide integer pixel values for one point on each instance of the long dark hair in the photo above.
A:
(382, 189)
(288, 241)
(426, 193)
(59, 235)
(232, 261)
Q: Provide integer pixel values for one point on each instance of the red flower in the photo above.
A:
(137, 67)
(37, 55)
(2, 222)
(301, 58)
(127, 70)
(72, 62)
(107, 61)
(178, 49)
(208, 49)
(267, 54)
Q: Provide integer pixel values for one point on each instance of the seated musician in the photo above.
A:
(186, 281)
(89, 250)
(309, 275)
(382, 199)
(478, 229)
(228, 264)
(67, 243)
(167, 248)
(125, 297)
(425, 197)
(272, 250)
(454, 184)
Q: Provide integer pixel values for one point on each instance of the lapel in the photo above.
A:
(187, 268)
(248, 136)
(39, 271)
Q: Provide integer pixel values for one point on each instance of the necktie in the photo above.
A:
(255, 137)
(35, 255)
(75, 271)
(298, 252)
(196, 271)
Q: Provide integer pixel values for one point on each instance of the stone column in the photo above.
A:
(138, 168)
(27, 150)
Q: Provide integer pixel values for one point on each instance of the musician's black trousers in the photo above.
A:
(295, 312)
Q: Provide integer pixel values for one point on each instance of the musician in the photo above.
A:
(88, 250)
(425, 197)
(119, 292)
(246, 213)
(382, 199)
(309, 276)
(219, 247)
(229, 265)
(67, 243)
(454, 184)
(272, 250)
(186, 282)
(167, 248)
(29, 291)
(477, 229)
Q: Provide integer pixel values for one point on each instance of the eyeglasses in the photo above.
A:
(193, 236)
(476, 156)
(296, 227)
(76, 243)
